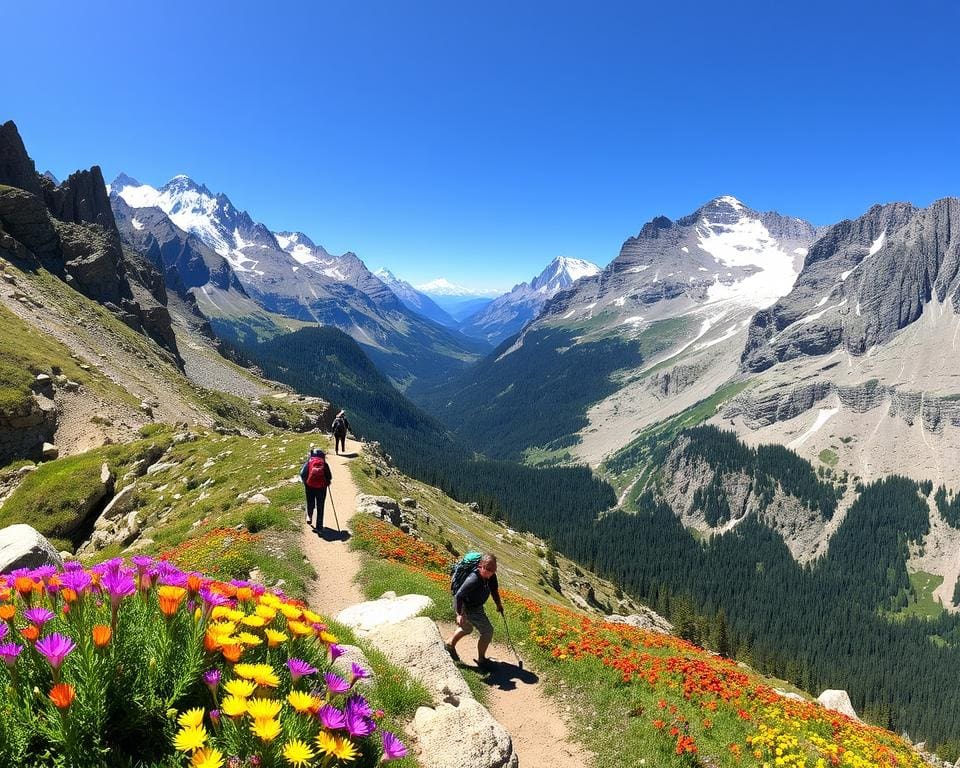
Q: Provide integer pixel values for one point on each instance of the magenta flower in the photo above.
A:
(335, 683)
(9, 653)
(358, 725)
(212, 678)
(77, 580)
(4, 629)
(38, 616)
(331, 718)
(55, 648)
(44, 572)
(393, 748)
(119, 584)
(357, 673)
(213, 599)
(142, 562)
(335, 651)
(72, 566)
(356, 703)
(299, 668)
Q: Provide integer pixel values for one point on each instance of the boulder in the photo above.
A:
(646, 619)
(462, 735)
(838, 701)
(23, 547)
(118, 504)
(161, 466)
(381, 506)
(49, 451)
(408, 503)
(258, 498)
(416, 646)
(363, 618)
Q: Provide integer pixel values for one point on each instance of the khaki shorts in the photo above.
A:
(476, 617)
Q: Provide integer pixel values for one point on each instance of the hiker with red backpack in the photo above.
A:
(316, 478)
(474, 580)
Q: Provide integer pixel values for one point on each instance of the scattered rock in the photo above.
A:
(645, 619)
(838, 701)
(146, 408)
(161, 466)
(24, 547)
(71, 386)
(409, 503)
(789, 694)
(258, 498)
(49, 451)
(363, 618)
(119, 504)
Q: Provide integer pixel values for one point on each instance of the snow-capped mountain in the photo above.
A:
(286, 273)
(507, 314)
(414, 299)
(443, 287)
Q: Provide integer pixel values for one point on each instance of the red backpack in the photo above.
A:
(316, 472)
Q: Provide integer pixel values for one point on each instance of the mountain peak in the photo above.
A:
(183, 183)
(288, 240)
(123, 180)
(561, 273)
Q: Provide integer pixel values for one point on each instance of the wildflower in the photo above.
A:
(265, 730)
(246, 638)
(393, 748)
(234, 706)
(212, 679)
(190, 739)
(170, 598)
(331, 718)
(9, 653)
(24, 585)
(207, 758)
(77, 581)
(101, 635)
(38, 616)
(335, 683)
(275, 638)
(4, 630)
(298, 753)
(7, 611)
(261, 674)
(242, 688)
(232, 652)
(328, 638)
(357, 673)
(299, 668)
(194, 583)
(62, 695)
(326, 743)
(358, 725)
(192, 718)
(56, 648)
(254, 621)
(345, 750)
(335, 651)
(299, 629)
(30, 633)
(302, 702)
(263, 709)
(358, 705)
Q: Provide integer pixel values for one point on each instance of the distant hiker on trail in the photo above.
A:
(316, 478)
(339, 428)
(468, 600)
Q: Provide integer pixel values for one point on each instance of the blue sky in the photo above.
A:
(478, 142)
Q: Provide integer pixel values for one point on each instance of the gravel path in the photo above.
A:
(515, 698)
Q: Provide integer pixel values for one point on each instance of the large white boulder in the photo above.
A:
(23, 547)
(838, 701)
(363, 618)
(464, 735)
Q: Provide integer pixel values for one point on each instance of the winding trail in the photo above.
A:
(515, 697)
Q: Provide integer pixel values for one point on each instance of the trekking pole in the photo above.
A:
(510, 642)
(334, 508)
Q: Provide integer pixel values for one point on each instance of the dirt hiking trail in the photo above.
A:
(514, 697)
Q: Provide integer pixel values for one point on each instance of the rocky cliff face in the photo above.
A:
(863, 281)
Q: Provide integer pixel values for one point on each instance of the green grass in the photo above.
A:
(925, 606)
(829, 457)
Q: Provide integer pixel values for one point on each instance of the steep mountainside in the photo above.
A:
(415, 300)
(287, 274)
(679, 296)
(508, 314)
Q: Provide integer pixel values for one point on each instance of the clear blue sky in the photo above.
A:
(477, 141)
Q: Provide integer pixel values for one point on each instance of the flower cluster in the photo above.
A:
(389, 543)
(141, 659)
(220, 552)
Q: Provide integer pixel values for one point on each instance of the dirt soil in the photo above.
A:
(516, 698)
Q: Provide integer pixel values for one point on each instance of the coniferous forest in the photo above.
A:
(826, 624)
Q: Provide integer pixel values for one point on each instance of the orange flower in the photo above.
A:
(24, 585)
(62, 695)
(101, 635)
(232, 652)
(170, 598)
(210, 642)
(244, 594)
(69, 596)
(194, 582)
(31, 632)
(7, 611)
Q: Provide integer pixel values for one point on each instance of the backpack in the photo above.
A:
(316, 472)
(463, 568)
(339, 427)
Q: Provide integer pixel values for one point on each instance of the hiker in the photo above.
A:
(316, 478)
(339, 428)
(468, 605)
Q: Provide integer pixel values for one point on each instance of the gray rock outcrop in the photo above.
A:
(462, 735)
(23, 547)
(838, 701)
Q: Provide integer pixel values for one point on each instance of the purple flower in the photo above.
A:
(331, 718)
(76, 580)
(171, 575)
(142, 562)
(56, 648)
(38, 616)
(357, 673)
(9, 653)
(72, 566)
(393, 748)
(335, 683)
(4, 629)
(212, 598)
(212, 678)
(357, 704)
(358, 725)
(335, 651)
(44, 572)
(119, 584)
(299, 668)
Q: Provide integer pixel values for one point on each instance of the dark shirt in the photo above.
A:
(475, 590)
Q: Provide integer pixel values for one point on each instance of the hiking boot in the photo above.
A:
(484, 663)
(452, 651)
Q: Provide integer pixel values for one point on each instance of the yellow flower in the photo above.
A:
(291, 612)
(298, 753)
(302, 702)
(263, 709)
(244, 670)
(190, 739)
(266, 613)
(226, 612)
(299, 628)
(274, 638)
(242, 688)
(269, 599)
(265, 729)
(265, 676)
(312, 618)
(253, 621)
(233, 706)
(328, 638)
(345, 750)
(326, 743)
(207, 758)
(192, 718)
(247, 639)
